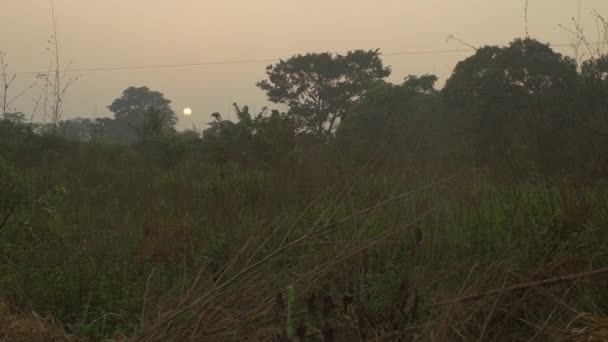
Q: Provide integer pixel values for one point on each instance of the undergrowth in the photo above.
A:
(114, 245)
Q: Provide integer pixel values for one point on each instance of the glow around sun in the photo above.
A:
(187, 111)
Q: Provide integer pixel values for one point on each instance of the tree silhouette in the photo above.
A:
(497, 91)
(394, 119)
(319, 88)
(147, 113)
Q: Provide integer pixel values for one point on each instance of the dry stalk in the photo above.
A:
(217, 293)
(145, 299)
(57, 80)
(522, 286)
(7, 80)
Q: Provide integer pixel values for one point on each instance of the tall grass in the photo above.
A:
(116, 245)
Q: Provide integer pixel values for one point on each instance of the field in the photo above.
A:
(117, 245)
(359, 210)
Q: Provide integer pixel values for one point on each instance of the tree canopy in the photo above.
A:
(392, 118)
(501, 91)
(319, 88)
(146, 112)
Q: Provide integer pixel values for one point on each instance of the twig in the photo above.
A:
(452, 37)
(143, 307)
(490, 315)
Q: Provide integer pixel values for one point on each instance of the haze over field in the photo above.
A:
(116, 33)
(322, 170)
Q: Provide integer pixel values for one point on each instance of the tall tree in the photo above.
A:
(396, 119)
(505, 93)
(319, 88)
(147, 112)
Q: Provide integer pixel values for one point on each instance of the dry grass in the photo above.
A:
(530, 304)
(588, 328)
(449, 261)
(245, 300)
(532, 300)
(29, 327)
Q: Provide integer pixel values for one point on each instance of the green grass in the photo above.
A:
(97, 232)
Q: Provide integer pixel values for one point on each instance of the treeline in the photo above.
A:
(523, 109)
(351, 196)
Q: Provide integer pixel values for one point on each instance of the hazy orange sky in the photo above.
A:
(116, 33)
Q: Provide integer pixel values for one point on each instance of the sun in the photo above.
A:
(187, 111)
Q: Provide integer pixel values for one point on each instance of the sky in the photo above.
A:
(135, 33)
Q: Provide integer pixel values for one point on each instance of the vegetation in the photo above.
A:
(366, 211)
(320, 88)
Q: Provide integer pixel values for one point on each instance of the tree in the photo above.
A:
(266, 136)
(12, 130)
(424, 84)
(594, 104)
(503, 94)
(394, 119)
(524, 69)
(77, 129)
(146, 112)
(594, 74)
(319, 88)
